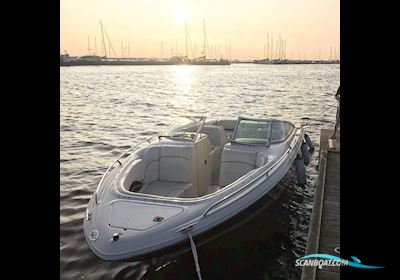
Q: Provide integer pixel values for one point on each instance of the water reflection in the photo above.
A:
(183, 77)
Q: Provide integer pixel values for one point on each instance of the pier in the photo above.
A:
(324, 232)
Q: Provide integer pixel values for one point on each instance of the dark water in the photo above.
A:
(104, 110)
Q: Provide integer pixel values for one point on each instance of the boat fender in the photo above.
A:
(300, 170)
(305, 153)
(309, 143)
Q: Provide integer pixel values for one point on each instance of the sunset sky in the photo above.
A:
(155, 27)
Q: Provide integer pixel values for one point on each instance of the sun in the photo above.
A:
(180, 13)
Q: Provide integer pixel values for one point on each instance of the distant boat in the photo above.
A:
(200, 61)
(264, 61)
(66, 58)
(287, 61)
(203, 60)
(89, 58)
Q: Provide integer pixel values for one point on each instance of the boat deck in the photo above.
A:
(324, 233)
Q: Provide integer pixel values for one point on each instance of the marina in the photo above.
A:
(66, 60)
(271, 56)
(97, 60)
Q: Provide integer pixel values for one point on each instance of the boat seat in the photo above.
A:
(236, 162)
(217, 136)
(169, 171)
(133, 173)
(169, 189)
(228, 124)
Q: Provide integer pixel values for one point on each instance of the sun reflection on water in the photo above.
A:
(183, 81)
(183, 75)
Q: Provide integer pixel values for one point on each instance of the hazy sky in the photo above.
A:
(153, 27)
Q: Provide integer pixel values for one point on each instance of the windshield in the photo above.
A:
(280, 130)
(185, 127)
(252, 132)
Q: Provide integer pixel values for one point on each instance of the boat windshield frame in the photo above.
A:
(194, 119)
(267, 140)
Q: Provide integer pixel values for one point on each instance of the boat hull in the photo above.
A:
(224, 228)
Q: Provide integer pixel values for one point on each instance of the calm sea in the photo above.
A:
(105, 110)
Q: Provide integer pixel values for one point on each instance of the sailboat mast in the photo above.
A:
(272, 48)
(95, 46)
(280, 47)
(186, 39)
(88, 44)
(283, 48)
(104, 42)
(334, 54)
(204, 38)
(264, 52)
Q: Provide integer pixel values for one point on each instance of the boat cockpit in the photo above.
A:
(195, 158)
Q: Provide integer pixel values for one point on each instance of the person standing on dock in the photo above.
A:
(337, 96)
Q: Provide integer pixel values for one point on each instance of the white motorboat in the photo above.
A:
(186, 182)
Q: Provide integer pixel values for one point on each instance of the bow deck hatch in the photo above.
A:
(140, 216)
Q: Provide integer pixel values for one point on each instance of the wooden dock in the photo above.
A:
(324, 233)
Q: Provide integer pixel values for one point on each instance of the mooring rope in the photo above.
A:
(324, 111)
(194, 252)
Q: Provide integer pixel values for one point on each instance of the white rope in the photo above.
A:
(320, 115)
(194, 252)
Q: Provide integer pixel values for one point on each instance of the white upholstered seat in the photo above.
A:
(169, 189)
(236, 162)
(216, 135)
(168, 171)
